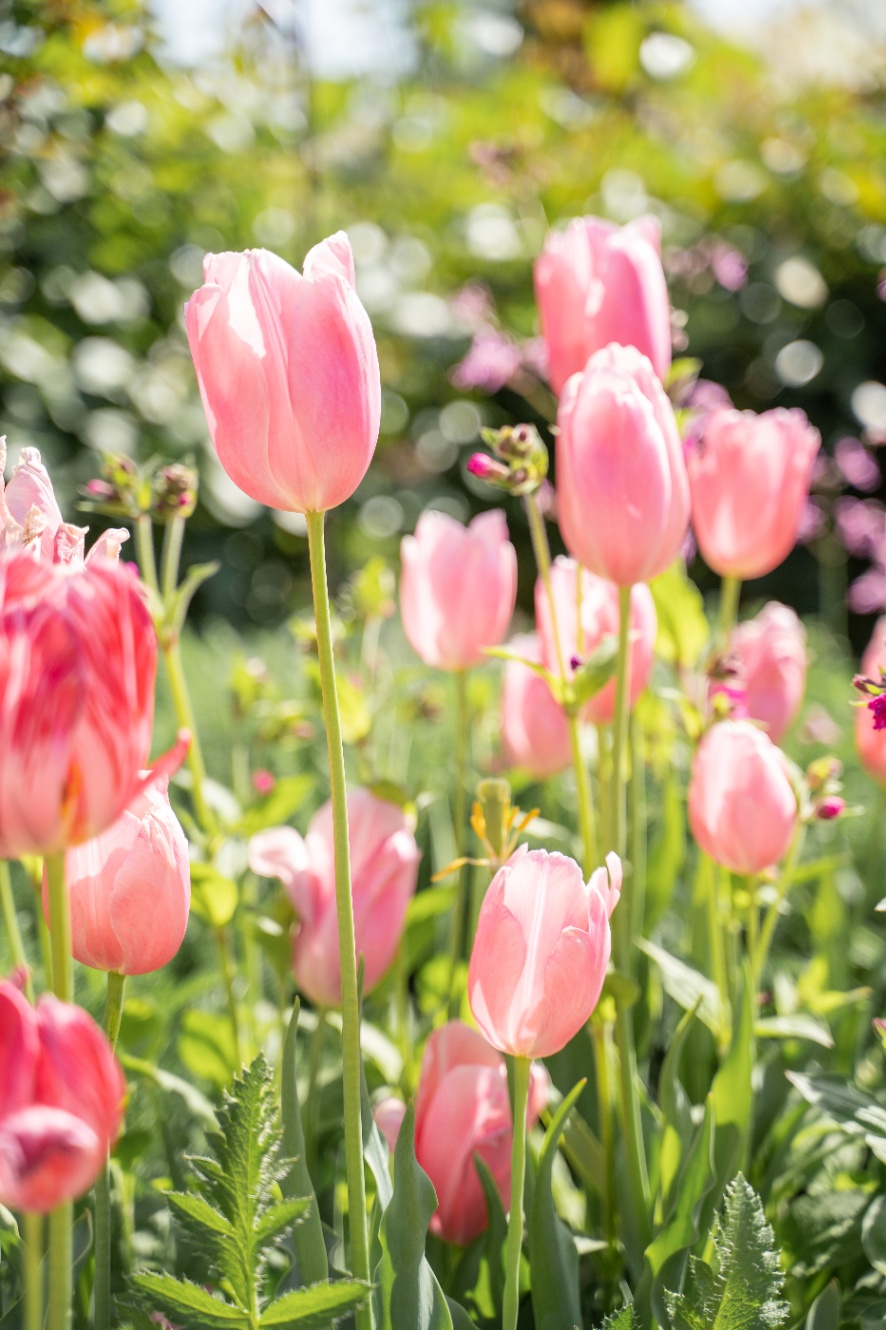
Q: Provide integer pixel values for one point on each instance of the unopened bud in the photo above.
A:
(263, 781)
(830, 807)
(486, 468)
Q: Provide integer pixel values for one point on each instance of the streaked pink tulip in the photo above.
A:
(749, 477)
(30, 517)
(622, 489)
(78, 659)
(771, 654)
(742, 806)
(594, 601)
(61, 1099)
(384, 871)
(541, 951)
(288, 373)
(534, 728)
(597, 283)
(871, 743)
(458, 587)
(130, 888)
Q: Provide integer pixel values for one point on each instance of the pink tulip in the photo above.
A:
(458, 587)
(30, 516)
(594, 601)
(871, 742)
(61, 1098)
(384, 871)
(534, 728)
(750, 478)
(742, 806)
(130, 888)
(597, 283)
(288, 373)
(541, 951)
(622, 490)
(771, 654)
(78, 658)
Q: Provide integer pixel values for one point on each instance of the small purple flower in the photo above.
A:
(830, 807)
(857, 466)
(877, 708)
(491, 360)
(729, 266)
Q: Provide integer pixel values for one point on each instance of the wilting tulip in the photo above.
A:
(533, 725)
(78, 658)
(30, 516)
(384, 871)
(594, 601)
(458, 587)
(541, 951)
(770, 651)
(870, 741)
(742, 806)
(749, 477)
(130, 888)
(597, 283)
(622, 490)
(288, 373)
(61, 1097)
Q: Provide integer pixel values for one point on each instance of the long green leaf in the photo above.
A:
(178, 1298)
(824, 1314)
(553, 1254)
(296, 1184)
(316, 1307)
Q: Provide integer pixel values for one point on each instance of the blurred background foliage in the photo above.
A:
(446, 161)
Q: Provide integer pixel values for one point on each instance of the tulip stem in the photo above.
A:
(61, 1249)
(460, 909)
(730, 593)
(511, 1307)
(770, 919)
(102, 1281)
(600, 1036)
(345, 912)
(227, 969)
(753, 925)
(716, 944)
(10, 919)
(32, 1224)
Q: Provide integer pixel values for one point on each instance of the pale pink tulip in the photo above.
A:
(130, 888)
(61, 1099)
(742, 806)
(749, 477)
(389, 1114)
(593, 602)
(288, 373)
(770, 651)
(384, 871)
(541, 951)
(458, 587)
(597, 283)
(30, 517)
(871, 742)
(622, 489)
(534, 728)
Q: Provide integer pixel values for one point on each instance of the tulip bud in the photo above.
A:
(829, 808)
(770, 652)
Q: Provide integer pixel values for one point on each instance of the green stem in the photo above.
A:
(753, 925)
(33, 1235)
(102, 1282)
(61, 1249)
(785, 882)
(459, 914)
(307, 1236)
(144, 548)
(345, 912)
(716, 944)
(114, 1006)
(10, 919)
(171, 557)
(730, 592)
(227, 970)
(518, 1177)
(604, 1111)
(315, 1057)
(638, 829)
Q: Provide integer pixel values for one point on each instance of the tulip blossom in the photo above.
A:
(742, 807)
(288, 373)
(770, 652)
(870, 734)
(750, 477)
(30, 517)
(384, 871)
(130, 888)
(541, 951)
(622, 490)
(534, 727)
(587, 612)
(61, 1099)
(597, 283)
(458, 587)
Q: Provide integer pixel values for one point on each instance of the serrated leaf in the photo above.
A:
(200, 1212)
(296, 1184)
(623, 1319)
(749, 1272)
(179, 1297)
(279, 1217)
(553, 1254)
(315, 1307)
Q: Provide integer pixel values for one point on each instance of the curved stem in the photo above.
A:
(10, 919)
(518, 1176)
(730, 593)
(460, 910)
(61, 1250)
(33, 1235)
(345, 912)
(785, 882)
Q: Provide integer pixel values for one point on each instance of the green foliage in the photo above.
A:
(553, 1256)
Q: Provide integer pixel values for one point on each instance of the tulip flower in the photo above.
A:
(597, 283)
(61, 1097)
(534, 727)
(130, 888)
(770, 652)
(870, 738)
(384, 871)
(592, 602)
(288, 373)
(541, 951)
(749, 477)
(458, 587)
(30, 516)
(622, 490)
(742, 807)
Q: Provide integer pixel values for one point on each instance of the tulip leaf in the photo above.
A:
(553, 1254)
(213, 896)
(677, 1125)
(691, 990)
(732, 1094)
(595, 673)
(824, 1314)
(496, 1233)
(799, 1025)
(856, 1111)
(683, 630)
(296, 1183)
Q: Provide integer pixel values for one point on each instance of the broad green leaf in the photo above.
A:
(553, 1254)
(585, 1153)
(206, 1046)
(689, 989)
(677, 1125)
(178, 1299)
(296, 1184)
(667, 853)
(594, 673)
(286, 798)
(797, 1026)
(314, 1308)
(857, 1112)
(873, 1234)
(824, 1314)
(683, 630)
(214, 897)
(732, 1093)
(496, 1233)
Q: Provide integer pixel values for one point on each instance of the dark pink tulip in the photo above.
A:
(622, 489)
(541, 951)
(742, 806)
(534, 728)
(458, 587)
(288, 373)
(771, 654)
(61, 1098)
(750, 478)
(384, 871)
(871, 741)
(30, 516)
(597, 283)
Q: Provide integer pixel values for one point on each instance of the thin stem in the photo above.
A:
(33, 1234)
(114, 1006)
(345, 912)
(171, 557)
(730, 593)
(753, 924)
(715, 941)
(102, 1281)
(10, 919)
(144, 548)
(785, 882)
(518, 1177)
(604, 1112)
(638, 829)
(459, 914)
(61, 1249)
(227, 970)
(184, 712)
